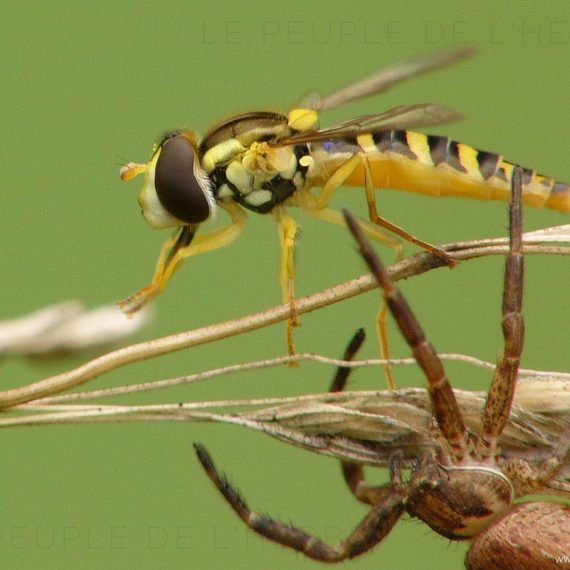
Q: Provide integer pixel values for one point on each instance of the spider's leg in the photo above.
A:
(501, 392)
(444, 403)
(371, 530)
(353, 472)
(545, 477)
(342, 373)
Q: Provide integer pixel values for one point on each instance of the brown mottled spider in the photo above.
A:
(462, 488)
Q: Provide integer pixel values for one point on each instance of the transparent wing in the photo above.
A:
(402, 117)
(388, 78)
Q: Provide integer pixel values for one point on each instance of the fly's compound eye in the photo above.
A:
(183, 189)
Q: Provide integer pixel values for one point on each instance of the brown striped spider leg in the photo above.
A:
(353, 472)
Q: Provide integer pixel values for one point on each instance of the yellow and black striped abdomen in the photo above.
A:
(439, 166)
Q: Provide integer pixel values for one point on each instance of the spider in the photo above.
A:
(463, 489)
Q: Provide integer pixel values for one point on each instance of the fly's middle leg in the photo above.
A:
(287, 233)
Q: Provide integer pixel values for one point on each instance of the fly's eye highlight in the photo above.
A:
(178, 184)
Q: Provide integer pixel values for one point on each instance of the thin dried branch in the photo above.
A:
(280, 361)
(411, 266)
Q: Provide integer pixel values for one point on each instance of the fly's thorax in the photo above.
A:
(246, 164)
(261, 177)
(459, 502)
(235, 135)
(176, 190)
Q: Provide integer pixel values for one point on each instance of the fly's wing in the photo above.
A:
(403, 117)
(388, 78)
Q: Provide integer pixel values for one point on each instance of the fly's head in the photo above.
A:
(176, 190)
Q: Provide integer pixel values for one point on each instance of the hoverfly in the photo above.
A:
(265, 161)
(462, 481)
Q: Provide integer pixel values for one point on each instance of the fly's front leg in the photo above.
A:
(287, 233)
(165, 267)
(180, 246)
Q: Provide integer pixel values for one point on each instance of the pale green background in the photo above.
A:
(85, 85)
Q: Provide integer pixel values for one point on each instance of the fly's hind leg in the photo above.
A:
(339, 177)
(179, 246)
(335, 181)
(380, 235)
(384, 223)
(371, 230)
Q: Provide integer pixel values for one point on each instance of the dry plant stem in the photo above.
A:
(260, 364)
(536, 409)
(413, 265)
(55, 410)
(279, 361)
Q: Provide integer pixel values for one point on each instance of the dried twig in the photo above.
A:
(535, 242)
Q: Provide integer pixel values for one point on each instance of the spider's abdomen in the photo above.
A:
(460, 502)
(531, 535)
